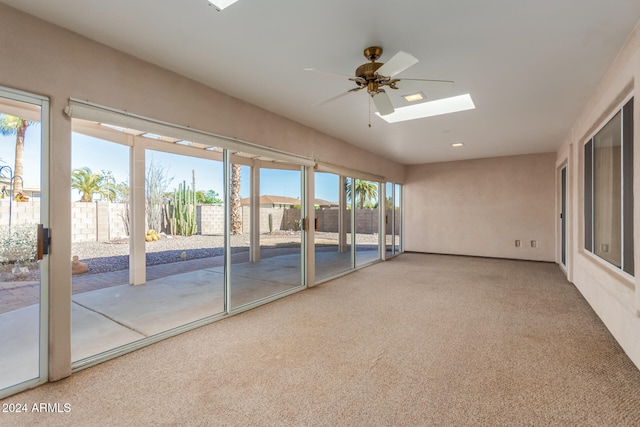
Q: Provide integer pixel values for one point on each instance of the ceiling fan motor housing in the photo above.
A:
(368, 71)
(367, 74)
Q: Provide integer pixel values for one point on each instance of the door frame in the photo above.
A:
(563, 216)
(43, 369)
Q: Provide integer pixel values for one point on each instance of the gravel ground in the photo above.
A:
(113, 256)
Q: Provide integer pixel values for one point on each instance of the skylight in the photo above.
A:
(221, 4)
(431, 108)
(151, 136)
(118, 128)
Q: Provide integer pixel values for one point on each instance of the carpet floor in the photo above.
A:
(419, 340)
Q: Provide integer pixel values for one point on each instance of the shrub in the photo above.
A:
(18, 243)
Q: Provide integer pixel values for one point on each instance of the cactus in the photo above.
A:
(270, 223)
(183, 215)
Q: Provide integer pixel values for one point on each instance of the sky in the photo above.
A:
(101, 155)
(31, 165)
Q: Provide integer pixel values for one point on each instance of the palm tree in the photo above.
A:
(12, 125)
(89, 183)
(236, 213)
(365, 191)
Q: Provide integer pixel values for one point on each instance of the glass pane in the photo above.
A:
(240, 233)
(184, 240)
(389, 207)
(588, 195)
(99, 239)
(333, 251)
(366, 221)
(627, 185)
(267, 244)
(397, 222)
(608, 192)
(563, 216)
(20, 179)
(124, 290)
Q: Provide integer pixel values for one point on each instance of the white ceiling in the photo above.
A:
(528, 65)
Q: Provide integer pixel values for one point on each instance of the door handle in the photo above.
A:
(44, 240)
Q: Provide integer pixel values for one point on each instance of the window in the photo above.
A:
(608, 210)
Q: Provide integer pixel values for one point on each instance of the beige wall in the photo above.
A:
(43, 59)
(614, 296)
(481, 207)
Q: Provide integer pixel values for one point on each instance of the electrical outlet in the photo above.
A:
(534, 243)
(517, 243)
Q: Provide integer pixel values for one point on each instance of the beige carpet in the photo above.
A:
(419, 340)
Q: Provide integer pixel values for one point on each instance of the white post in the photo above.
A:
(137, 217)
(254, 254)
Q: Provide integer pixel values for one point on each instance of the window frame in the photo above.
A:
(627, 267)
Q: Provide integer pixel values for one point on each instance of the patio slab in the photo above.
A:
(93, 333)
(19, 358)
(160, 304)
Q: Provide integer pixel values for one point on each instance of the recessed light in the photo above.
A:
(221, 4)
(414, 97)
(430, 108)
(457, 144)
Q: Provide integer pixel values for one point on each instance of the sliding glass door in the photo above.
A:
(23, 261)
(348, 224)
(393, 219)
(389, 220)
(397, 219)
(168, 236)
(148, 257)
(266, 230)
(366, 218)
(333, 248)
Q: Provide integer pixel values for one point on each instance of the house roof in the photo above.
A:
(272, 200)
(282, 200)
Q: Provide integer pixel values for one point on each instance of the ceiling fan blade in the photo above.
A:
(414, 83)
(333, 98)
(397, 64)
(329, 73)
(383, 103)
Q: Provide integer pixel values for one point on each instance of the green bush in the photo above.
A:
(18, 243)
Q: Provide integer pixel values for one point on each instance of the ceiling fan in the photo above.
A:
(375, 76)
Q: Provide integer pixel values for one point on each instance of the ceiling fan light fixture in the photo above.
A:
(414, 97)
(431, 108)
(221, 4)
